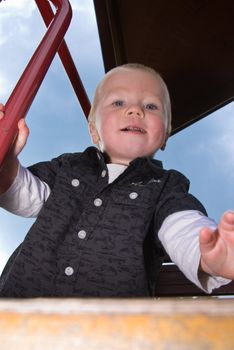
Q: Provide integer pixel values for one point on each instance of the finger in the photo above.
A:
(229, 218)
(22, 124)
(207, 240)
(23, 131)
(226, 227)
(21, 138)
(2, 110)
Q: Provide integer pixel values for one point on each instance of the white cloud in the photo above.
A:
(19, 35)
(22, 8)
(5, 86)
(82, 6)
(3, 259)
(21, 31)
(219, 141)
(83, 17)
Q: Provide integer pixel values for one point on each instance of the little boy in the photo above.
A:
(104, 215)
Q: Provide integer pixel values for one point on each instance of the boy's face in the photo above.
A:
(129, 117)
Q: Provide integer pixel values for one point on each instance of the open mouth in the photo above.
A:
(134, 129)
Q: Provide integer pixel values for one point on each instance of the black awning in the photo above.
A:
(190, 42)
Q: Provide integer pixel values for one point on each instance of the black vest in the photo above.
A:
(94, 239)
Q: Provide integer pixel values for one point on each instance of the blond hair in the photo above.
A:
(136, 66)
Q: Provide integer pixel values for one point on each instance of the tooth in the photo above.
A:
(132, 128)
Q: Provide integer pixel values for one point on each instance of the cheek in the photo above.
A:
(107, 125)
(158, 127)
(158, 134)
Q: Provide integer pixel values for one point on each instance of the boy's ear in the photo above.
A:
(93, 133)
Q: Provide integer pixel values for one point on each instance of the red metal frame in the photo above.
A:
(66, 58)
(25, 91)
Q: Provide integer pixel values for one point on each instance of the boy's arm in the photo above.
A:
(8, 172)
(26, 195)
(179, 235)
(217, 248)
(20, 192)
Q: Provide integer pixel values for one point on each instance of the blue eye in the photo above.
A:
(151, 106)
(118, 103)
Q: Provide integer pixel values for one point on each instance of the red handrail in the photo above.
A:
(22, 96)
(66, 58)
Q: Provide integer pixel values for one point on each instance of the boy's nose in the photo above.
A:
(135, 111)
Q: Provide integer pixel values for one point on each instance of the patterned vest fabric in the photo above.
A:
(94, 239)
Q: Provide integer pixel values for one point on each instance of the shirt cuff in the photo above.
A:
(207, 283)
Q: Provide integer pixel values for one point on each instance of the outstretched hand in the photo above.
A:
(217, 248)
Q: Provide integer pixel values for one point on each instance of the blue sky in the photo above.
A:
(203, 152)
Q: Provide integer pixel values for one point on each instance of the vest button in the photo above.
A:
(97, 202)
(75, 182)
(82, 234)
(133, 195)
(69, 271)
(103, 174)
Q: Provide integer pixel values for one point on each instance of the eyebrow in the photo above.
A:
(120, 90)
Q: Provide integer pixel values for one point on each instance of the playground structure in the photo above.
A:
(188, 52)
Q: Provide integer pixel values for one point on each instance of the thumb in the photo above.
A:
(2, 111)
(21, 138)
(207, 240)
